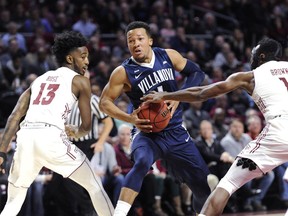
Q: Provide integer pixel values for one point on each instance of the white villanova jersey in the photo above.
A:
(271, 89)
(52, 98)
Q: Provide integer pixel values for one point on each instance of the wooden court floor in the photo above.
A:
(264, 213)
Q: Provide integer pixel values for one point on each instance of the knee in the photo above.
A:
(142, 163)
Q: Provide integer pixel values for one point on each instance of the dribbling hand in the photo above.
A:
(142, 124)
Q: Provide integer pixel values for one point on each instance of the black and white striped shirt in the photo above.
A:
(97, 115)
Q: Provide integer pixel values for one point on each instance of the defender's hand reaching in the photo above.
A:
(153, 97)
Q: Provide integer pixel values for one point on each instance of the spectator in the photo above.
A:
(125, 16)
(85, 25)
(146, 198)
(254, 126)
(35, 20)
(221, 56)
(62, 23)
(180, 42)
(217, 159)
(19, 15)
(109, 21)
(168, 30)
(12, 28)
(105, 165)
(15, 71)
(238, 102)
(5, 18)
(238, 43)
(40, 62)
(193, 116)
(203, 54)
(220, 124)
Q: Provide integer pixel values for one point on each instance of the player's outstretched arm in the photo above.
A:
(13, 122)
(202, 93)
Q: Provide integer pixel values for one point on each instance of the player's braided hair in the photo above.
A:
(66, 42)
(138, 24)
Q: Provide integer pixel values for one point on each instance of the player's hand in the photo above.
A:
(142, 124)
(71, 131)
(153, 97)
(97, 147)
(116, 170)
(3, 163)
(172, 106)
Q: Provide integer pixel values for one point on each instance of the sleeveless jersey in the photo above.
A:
(159, 75)
(52, 98)
(270, 92)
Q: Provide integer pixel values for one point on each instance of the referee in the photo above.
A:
(92, 142)
(70, 198)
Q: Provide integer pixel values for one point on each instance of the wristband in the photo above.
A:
(3, 155)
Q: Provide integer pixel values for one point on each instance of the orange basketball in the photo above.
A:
(158, 113)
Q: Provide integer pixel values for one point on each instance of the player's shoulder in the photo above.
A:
(119, 72)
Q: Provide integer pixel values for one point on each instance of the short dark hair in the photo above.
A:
(271, 48)
(138, 24)
(65, 42)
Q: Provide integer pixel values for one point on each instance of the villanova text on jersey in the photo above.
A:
(155, 78)
(158, 75)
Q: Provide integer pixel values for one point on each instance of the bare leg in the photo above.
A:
(216, 202)
(125, 201)
(128, 195)
(85, 176)
(16, 197)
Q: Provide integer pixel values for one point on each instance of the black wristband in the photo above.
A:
(3, 155)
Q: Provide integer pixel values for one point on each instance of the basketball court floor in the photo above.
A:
(264, 213)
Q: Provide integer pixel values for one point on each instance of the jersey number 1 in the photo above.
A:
(45, 100)
(284, 81)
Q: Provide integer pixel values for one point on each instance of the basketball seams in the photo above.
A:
(156, 113)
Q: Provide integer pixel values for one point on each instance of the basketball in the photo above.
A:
(157, 113)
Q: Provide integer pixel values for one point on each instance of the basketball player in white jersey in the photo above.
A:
(267, 83)
(43, 136)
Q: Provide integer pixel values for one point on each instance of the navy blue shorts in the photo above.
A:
(181, 155)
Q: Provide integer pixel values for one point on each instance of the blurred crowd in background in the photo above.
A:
(218, 35)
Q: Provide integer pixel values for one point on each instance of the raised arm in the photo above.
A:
(243, 80)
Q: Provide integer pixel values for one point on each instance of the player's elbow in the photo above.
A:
(101, 105)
